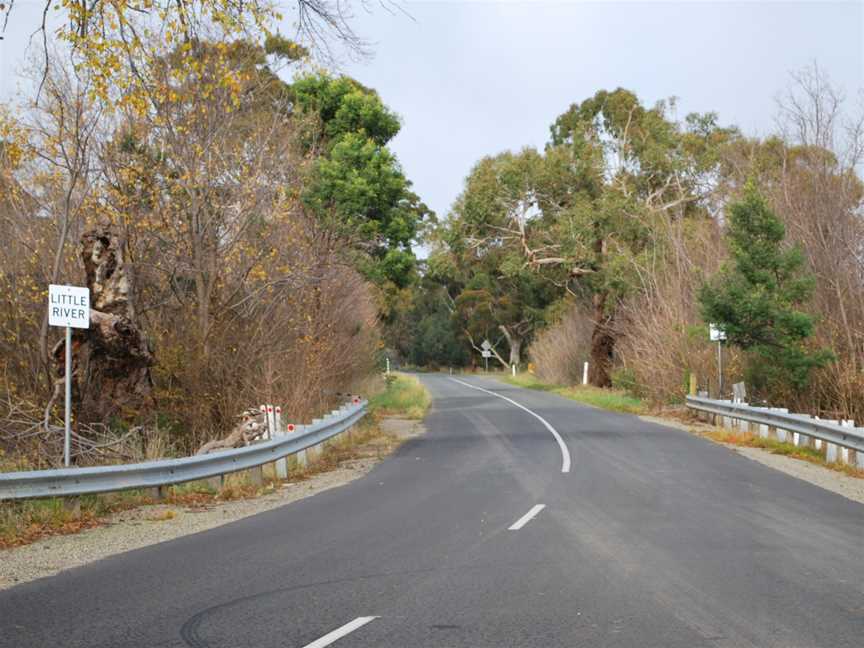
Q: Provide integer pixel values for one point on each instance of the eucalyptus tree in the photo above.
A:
(484, 251)
(613, 168)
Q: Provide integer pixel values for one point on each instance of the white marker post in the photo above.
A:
(585, 374)
(69, 307)
(718, 335)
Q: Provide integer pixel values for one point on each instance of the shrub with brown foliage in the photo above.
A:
(559, 351)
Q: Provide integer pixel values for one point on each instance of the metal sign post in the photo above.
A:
(69, 307)
(487, 352)
(718, 335)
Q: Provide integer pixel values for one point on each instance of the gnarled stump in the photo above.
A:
(112, 359)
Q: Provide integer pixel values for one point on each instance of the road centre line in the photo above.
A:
(565, 453)
(338, 633)
(525, 519)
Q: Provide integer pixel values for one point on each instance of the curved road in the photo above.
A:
(475, 536)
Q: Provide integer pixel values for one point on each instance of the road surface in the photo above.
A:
(529, 522)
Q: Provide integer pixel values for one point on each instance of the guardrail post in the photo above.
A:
(256, 476)
(314, 452)
(158, 493)
(300, 457)
(216, 483)
(831, 454)
(778, 433)
(846, 453)
(280, 466)
(817, 443)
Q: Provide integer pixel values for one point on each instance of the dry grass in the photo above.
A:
(610, 399)
(749, 440)
(30, 520)
(404, 396)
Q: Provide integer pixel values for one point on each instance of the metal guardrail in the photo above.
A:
(847, 437)
(103, 479)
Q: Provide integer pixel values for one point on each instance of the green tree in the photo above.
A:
(757, 297)
(481, 252)
(614, 169)
(357, 187)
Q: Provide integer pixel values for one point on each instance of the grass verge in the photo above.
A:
(404, 396)
(608, 399)
(811, 455)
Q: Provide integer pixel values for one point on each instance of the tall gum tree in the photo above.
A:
(487, 242)
(612, 167)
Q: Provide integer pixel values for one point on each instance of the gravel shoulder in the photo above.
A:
(149, 525)
(831, 480)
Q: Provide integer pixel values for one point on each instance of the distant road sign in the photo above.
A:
(716, 333)
(487, 354)
(69, 306)
(486, 346)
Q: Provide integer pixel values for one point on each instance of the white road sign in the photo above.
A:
(716, 334)
(487, 354)
(69, 306)
(486, 346)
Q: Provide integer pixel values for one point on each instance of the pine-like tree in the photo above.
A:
(758, 295)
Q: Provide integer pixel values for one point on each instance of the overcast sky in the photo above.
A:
(474, 78)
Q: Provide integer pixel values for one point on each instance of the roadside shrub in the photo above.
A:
(559, 351)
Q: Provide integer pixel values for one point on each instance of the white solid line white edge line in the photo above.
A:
(565, 453)
(338, 633)
(525, 519)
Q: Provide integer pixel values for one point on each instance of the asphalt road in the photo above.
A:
(474, 536)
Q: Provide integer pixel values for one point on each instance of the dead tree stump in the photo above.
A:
(111, 359)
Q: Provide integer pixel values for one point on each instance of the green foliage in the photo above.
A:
(480, 249)
(583, 218)
(757, 298)
(437, 342)
(344, 106)
(424, 331)
(358, 187)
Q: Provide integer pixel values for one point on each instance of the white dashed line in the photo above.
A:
(338, 633)
(565, 453)
(525, 519)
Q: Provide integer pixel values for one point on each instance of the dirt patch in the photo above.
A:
(148, 525)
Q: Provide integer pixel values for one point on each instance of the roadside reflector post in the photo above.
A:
(281, 464)
(585, 374)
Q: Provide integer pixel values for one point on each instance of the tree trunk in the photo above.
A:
(112, 358)
(515, 343)
(602, 344)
